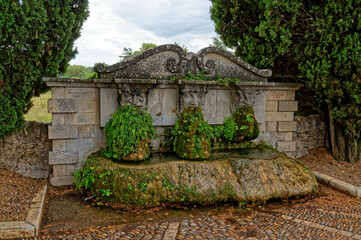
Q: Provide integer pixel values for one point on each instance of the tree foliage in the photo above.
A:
(317, 42)
(36, 40)
(128, 52)
(78, 71)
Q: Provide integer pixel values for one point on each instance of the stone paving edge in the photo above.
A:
(338, 184)
(30, 227)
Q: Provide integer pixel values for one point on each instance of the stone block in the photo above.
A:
(276, 137)
(79, 144)
(63, 132)
(162, 105)
(271, 126)
(61, 180)
(34, 218)
(57, 118)
(85, 106)
(286, 146)
(323, 178)
(272, 106)
(287, 106)
(81, 93)
(39, 199)
(63, 170)
(19, 229)
(287, 126)
(358, 190)
(62, 106)
(108, 104)
(343, 186)
(280, 95)
(57, 93)
(279, 116)
(217, 106)
(56, 158)
(288, 136)
(82, 119)
(87, 131)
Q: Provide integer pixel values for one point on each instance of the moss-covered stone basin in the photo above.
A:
(257, 175)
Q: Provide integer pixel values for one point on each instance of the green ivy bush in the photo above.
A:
(192, 135)
(127, 132)
(240, 126)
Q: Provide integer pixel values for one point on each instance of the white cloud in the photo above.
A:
(114, 24)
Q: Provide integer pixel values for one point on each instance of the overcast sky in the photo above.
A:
(115, 24)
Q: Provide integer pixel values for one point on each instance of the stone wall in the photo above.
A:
(26, 152)
(311, 133)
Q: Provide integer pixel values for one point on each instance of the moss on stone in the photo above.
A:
(192, 135)
(202, 182)
(248, 128)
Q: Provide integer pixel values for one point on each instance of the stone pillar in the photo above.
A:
(279, 120)
(75, 129)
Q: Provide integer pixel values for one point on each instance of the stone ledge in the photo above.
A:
(36, 211)
(338, 184)
(30, 227)
(16, 230)
(62, 106)
(63, 132)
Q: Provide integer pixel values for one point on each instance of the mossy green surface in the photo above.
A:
(248, 128)
(192, 135)
(261, 175)
(138, 186)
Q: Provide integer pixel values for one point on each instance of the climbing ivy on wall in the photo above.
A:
(36, 40)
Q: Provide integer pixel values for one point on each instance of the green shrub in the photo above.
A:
(192, 135)
(248, 128)
(125, 132)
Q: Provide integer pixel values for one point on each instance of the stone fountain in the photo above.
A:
(154, 80)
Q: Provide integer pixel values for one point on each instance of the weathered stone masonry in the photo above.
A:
(26, 151)
(81, 107)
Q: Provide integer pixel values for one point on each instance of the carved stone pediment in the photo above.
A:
(167, 61)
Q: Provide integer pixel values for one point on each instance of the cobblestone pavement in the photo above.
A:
(331, 215)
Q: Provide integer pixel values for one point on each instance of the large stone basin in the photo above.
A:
(257, 175)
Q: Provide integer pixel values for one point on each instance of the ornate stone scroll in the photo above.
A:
(167, 61)
(133, 94)
(192, 95)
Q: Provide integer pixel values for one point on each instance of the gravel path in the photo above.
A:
(330, 215)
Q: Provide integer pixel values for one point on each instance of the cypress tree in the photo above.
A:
(36, 40)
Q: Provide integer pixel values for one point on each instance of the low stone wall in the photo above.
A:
(311, 133)
(27, 151)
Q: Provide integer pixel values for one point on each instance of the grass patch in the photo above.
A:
(39, 111)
